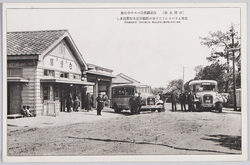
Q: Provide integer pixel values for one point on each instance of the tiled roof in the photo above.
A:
(31, 42)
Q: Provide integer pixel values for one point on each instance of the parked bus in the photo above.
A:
(121, 95)
(206, 95)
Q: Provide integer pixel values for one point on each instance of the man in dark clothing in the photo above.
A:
(69, 102)
(132, 104)
(174, 100)
(183, 101)
(99, 104)
(138, 104)
(190, 101)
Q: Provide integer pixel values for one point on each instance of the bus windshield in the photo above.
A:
(200, 87)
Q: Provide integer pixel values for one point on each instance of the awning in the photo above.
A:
(66, 81)
(17, 79)
(100, 74)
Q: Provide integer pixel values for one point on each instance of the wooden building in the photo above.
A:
(43, 67)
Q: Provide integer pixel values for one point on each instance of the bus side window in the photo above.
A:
(126, 91)
(123, 91)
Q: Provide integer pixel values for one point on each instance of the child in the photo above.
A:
(28, 114)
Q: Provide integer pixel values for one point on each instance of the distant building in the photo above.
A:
(43, 67)
(124, 79)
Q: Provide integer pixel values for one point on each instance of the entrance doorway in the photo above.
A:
(14, 98)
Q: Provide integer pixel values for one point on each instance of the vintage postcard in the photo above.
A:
(134, 82)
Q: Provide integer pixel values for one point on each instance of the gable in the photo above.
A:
(62, 59)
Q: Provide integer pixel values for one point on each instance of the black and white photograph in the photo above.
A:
(114, 82)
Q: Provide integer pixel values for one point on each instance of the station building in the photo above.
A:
(43, 67)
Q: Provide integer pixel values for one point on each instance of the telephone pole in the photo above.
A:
(183, 79)
(234, 80)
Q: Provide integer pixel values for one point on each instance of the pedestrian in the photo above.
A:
(190, 102)
(88, 102)
(99, 104)
(183, 101)
(76, 104)
(105, 100)
(138, 104)
(69, 102)
(174, 100)
(132, 104)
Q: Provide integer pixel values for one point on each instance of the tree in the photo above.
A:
(177, 83)
(156, 91)
(219, 42)
(215, 71)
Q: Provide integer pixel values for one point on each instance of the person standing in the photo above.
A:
(76, 104)
(174, 100)
(88, 102)
(69, 102)
(138, 104)
(132, 104)
(190, 101)
(99, 104)
(183, 101)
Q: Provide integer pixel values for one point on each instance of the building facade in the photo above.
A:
(43, 68)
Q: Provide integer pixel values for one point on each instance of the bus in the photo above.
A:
(206, 95)
(121, 94)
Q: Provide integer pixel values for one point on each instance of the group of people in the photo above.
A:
(88, 102)
(135, 104)
(183, 99)
(70, 103)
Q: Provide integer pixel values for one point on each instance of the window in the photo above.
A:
(64, 75)
(76, 76)
(61, 63)
(129, 91)
(62, 49)
(51, 62)
(49, 73)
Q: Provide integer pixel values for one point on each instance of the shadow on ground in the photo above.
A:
(228, 141)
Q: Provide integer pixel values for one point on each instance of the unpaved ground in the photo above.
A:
(164, 133)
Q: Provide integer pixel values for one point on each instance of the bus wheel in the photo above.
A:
(152, 110)
(159, 109)
(220, 107)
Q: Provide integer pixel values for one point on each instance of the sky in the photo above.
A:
(152, 53)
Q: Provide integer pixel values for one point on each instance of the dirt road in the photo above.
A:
(163, 133)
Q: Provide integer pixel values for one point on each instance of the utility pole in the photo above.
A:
(234, 80)
(183, 80)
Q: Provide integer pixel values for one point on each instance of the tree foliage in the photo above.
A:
(177, 83)
(215, 71)
(219, 42)
(159, 90)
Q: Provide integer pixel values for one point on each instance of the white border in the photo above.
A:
(141, 158)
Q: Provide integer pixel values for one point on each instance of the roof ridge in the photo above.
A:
(127, 77)
(34, 31)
